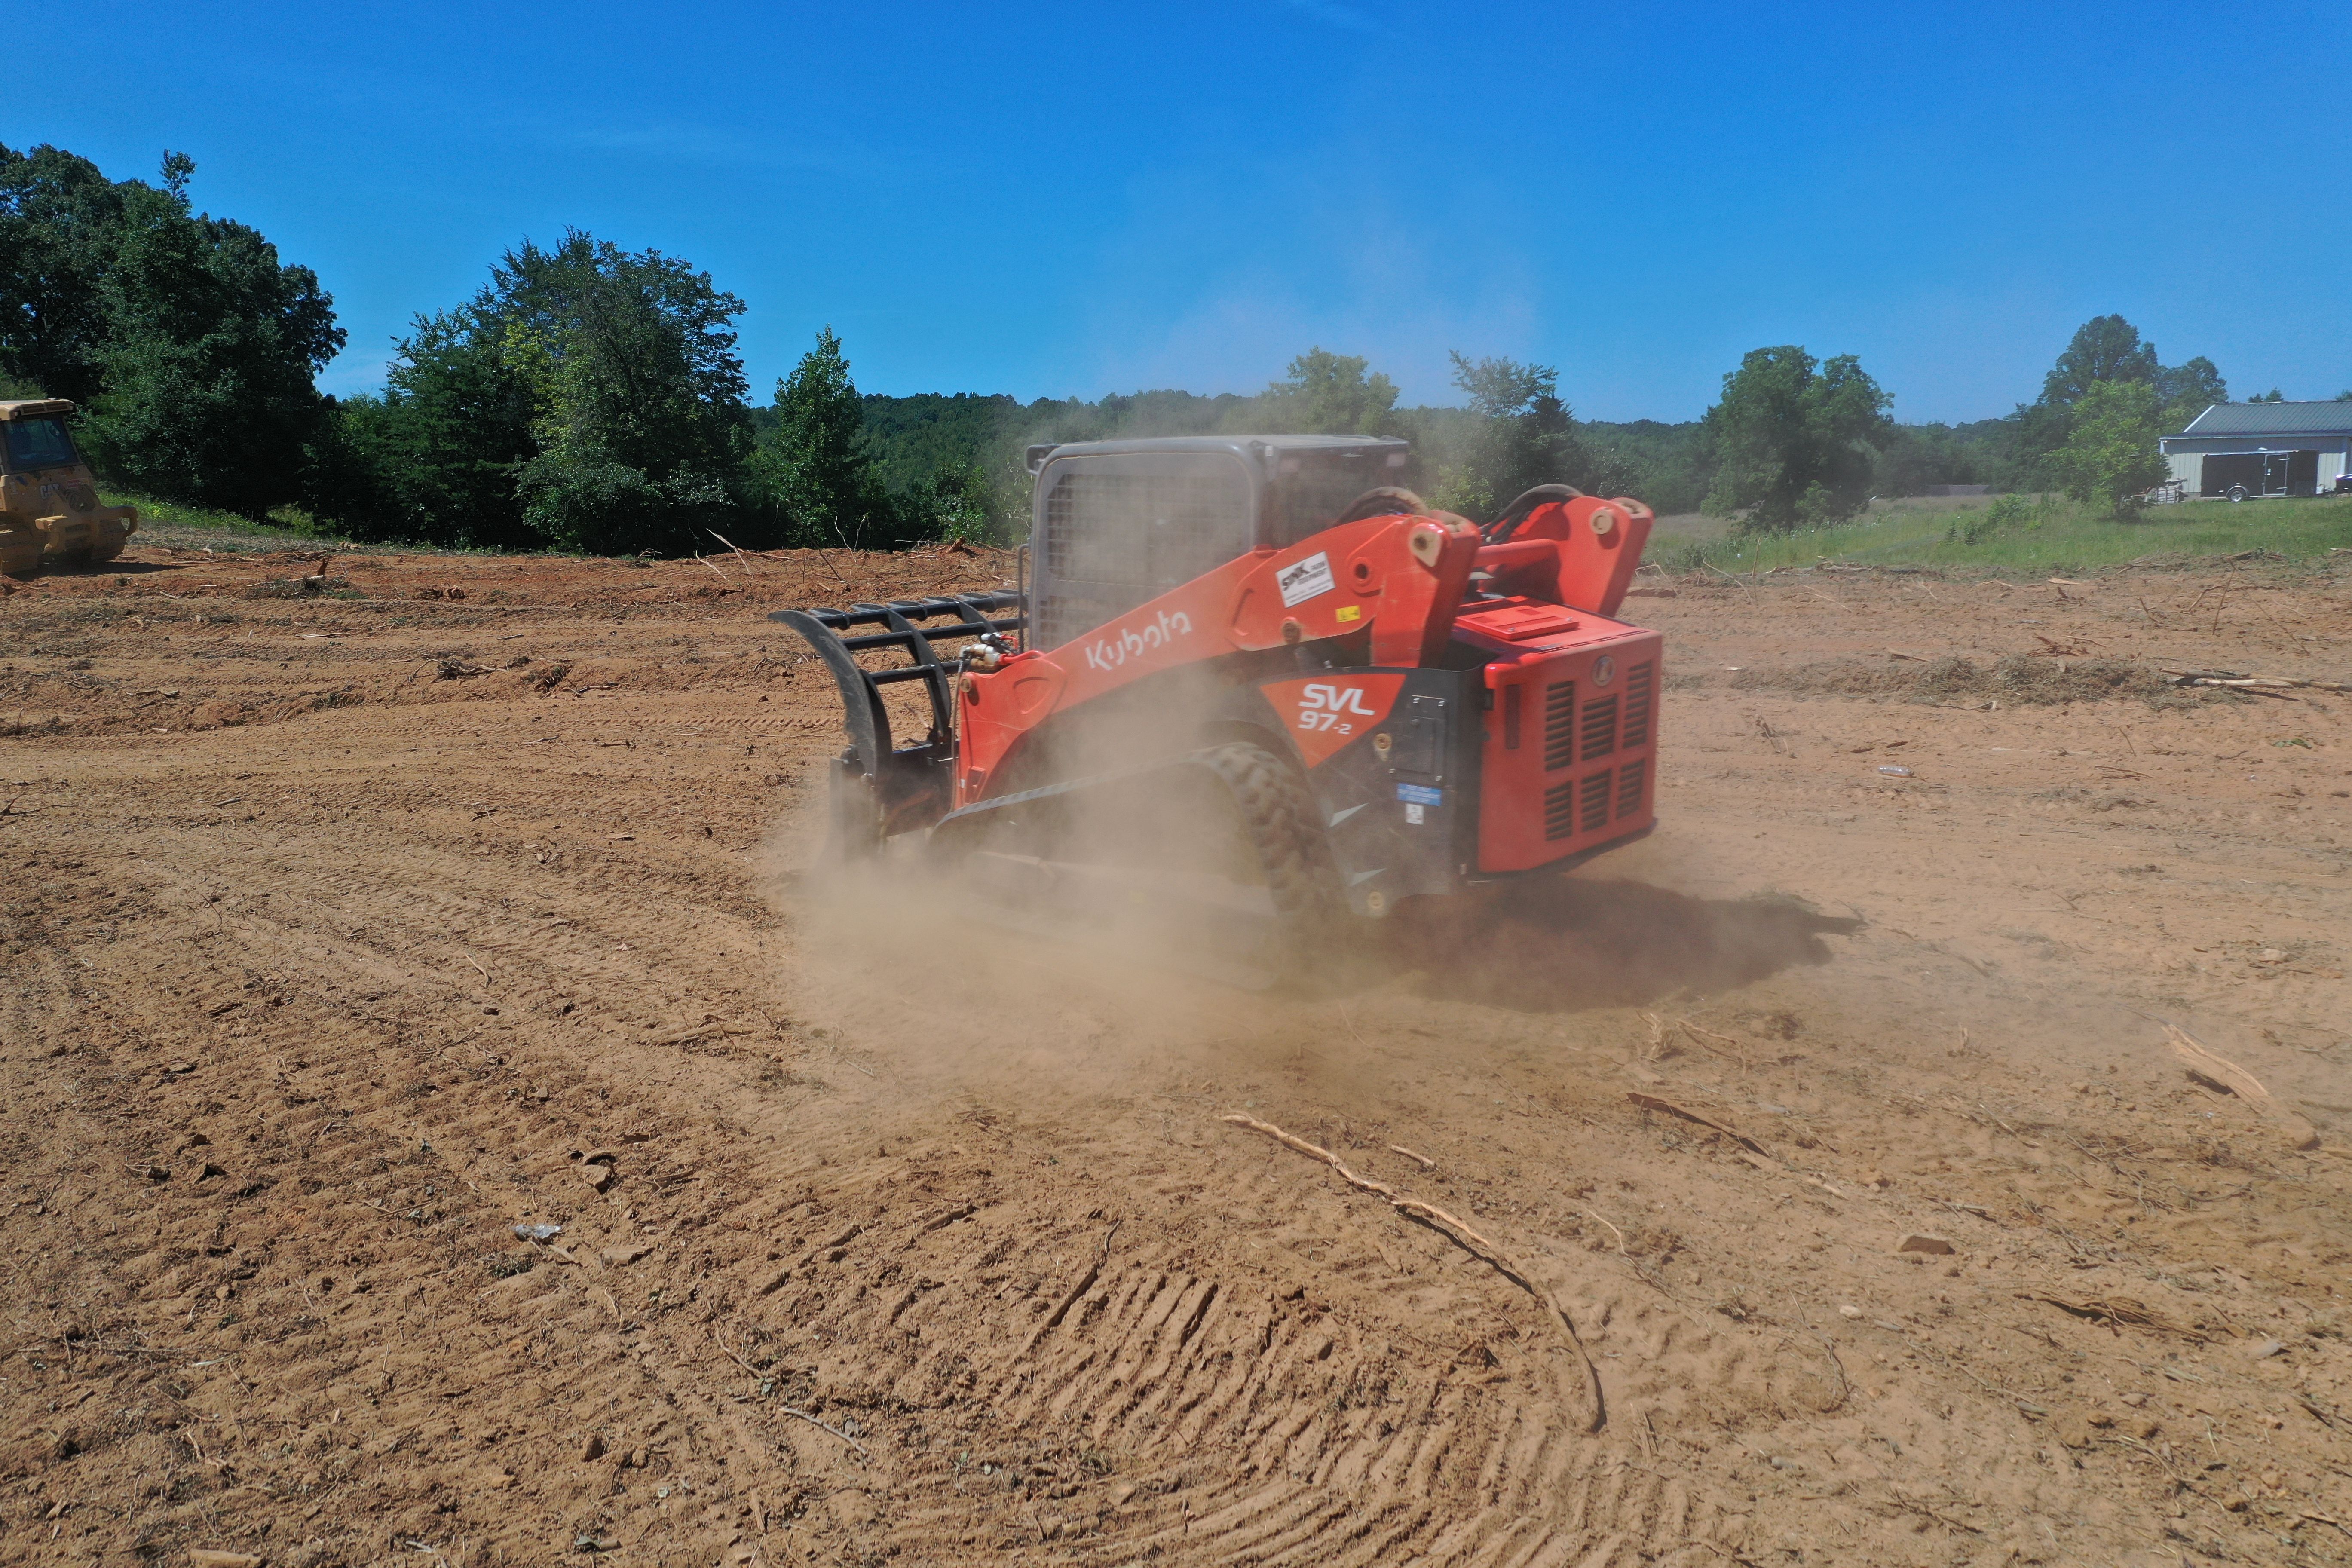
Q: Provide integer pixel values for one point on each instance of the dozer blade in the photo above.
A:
(880, 790)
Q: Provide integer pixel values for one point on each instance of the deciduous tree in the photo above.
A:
(817, 461)
(644, 440)
(2102, 349)
(1796, 438)
(1525, 437)
(190, 346)
(2106, 350)
(58, 214)
(587, 397)
(1327, 394)
(2111, 452)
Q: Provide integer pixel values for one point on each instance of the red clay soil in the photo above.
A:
(347, 927)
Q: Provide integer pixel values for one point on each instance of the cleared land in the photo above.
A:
(347, 927)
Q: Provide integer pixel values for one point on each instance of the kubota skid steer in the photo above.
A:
(1243, 671)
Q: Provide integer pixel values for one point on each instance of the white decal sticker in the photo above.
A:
(1412, 815)
(1106, 653)
(1309, 579)
(1325, 707)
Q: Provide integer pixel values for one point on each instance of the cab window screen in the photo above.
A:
(1120, 533)
(37, 444)
(1308, 497)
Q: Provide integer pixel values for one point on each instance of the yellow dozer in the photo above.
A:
(49, 512)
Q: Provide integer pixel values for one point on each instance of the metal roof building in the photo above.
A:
(2263, 449)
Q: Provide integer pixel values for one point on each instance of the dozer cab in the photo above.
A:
(49, 510)
(1252, 674)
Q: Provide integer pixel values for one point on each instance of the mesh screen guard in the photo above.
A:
(1119, 531)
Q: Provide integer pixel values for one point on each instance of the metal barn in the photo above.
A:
(2248, 449)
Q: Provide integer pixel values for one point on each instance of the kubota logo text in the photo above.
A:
(1333, 707)
(1109, 653)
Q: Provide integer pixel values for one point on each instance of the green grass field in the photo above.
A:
(2018, 533)
(200, 528)
(1990, 535)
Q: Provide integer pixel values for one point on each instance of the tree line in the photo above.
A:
(189, 347)
(1792, 441)
(591, 398)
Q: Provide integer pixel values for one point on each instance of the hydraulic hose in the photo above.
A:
(1507, 522)
(1379, 502)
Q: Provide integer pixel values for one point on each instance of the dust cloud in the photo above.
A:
(1070, 987)
(899, 957)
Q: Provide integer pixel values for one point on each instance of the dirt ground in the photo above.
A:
(347, 927)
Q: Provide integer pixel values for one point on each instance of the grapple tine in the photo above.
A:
(861, 699)
(879, 789)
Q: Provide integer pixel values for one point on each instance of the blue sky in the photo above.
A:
(1072, 200)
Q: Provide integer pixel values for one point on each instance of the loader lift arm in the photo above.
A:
(1400, 579)
(1403, 578)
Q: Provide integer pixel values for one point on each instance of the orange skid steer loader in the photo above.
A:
(1243, 675)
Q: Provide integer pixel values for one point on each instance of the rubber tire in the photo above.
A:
(1283, 826)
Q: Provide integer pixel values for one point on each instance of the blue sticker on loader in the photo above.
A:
(1420, 794)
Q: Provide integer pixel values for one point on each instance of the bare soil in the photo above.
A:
(345, 929)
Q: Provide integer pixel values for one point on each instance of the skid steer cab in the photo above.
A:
(49, 510)
(1253, 671)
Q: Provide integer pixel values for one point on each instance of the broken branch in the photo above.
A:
(2218, 1072)
(1701, 1036)
(1652, 1102)
(1464, 1237)
(2113, 1310)
(829, 1431)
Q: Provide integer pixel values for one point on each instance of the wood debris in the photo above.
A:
(1655, 1048)
(799, 1415)
(2259, 685)
(1463, 1235)
(1652, 1102)
(1700, 1037)
(2220, 1074)
(2113, 1310)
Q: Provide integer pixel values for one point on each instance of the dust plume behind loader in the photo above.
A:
(49, 511)
(1245, 676)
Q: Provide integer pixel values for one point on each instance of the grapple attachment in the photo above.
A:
(877, 790)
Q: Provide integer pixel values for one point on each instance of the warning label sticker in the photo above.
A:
(1420, 794)
(1309, 579)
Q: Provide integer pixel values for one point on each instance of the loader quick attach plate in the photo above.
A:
(880, 790)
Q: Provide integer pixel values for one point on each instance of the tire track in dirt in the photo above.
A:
(1150, 1343)
(878, 1198)
(366, 1111)
(1332, 1438)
